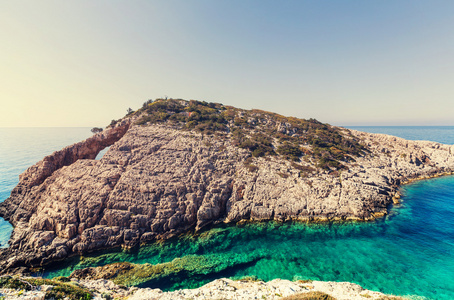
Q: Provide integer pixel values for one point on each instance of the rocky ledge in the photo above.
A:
(175, 166)
(37, 289)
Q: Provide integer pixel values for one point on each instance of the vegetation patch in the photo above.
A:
(262, 133)
(304, 281)
(304, 170)
(129, 274)
(252, 278)
(61, 288)
(252, 168)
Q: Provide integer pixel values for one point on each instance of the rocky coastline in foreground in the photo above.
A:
(246, 289)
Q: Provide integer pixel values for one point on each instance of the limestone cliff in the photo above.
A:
(176, 166)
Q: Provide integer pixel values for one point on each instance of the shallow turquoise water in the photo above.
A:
(410, 252)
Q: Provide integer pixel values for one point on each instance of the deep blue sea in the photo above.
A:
(409, 252)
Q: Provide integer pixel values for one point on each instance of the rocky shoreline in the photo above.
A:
(246, 289)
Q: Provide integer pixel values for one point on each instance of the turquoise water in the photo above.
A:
(410, 252)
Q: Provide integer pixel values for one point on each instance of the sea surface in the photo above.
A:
(409, 252)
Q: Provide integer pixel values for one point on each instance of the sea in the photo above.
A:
(410, 252)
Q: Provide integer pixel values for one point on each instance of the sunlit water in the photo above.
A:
(410, 252)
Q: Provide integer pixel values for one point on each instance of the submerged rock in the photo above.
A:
(192, 266)
(165, 175)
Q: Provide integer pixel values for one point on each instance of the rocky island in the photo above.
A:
(177, 166)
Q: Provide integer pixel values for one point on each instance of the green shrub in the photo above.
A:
(252, 168)
(62, 279)
(60, 290)
(252, 278)
(327, 164)
(258, 144)
(96, 129)
(14, 283)
(143, 120)
(161, 105)
(304, 169)
(106, 296)
(290, 151)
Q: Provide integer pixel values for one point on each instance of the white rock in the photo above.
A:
(249, 290)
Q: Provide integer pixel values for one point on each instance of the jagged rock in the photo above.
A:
(276, 289)
(218, 289)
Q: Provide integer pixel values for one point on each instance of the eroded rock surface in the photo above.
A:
(218, 289)
(276, 289)
(159, 181)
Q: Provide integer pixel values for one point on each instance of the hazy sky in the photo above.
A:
(83, 63)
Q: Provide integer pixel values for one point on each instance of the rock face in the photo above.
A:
(36, 174)
(159, 181)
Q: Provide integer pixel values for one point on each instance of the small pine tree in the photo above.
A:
(96, 129)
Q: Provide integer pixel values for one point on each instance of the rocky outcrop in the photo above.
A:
(218, 289)
(36, 174)
(276, 289)
(159, 181)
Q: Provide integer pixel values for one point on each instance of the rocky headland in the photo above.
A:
(176, 166)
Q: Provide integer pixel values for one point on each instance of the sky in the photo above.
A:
(85, 62)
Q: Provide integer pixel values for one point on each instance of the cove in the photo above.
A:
(409, 252)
